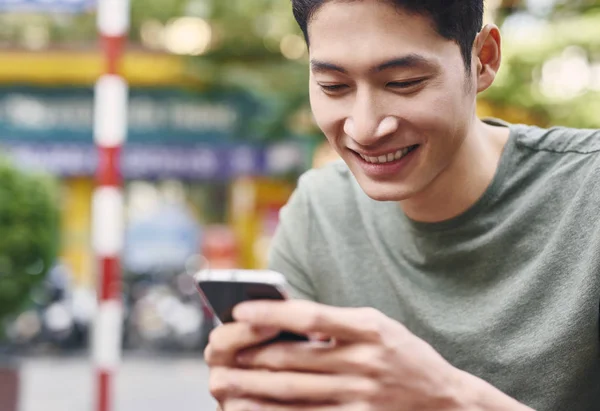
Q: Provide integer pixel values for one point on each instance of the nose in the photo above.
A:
(367, 125)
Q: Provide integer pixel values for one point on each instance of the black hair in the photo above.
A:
(457, 20)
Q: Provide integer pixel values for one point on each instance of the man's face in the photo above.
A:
(391, 95)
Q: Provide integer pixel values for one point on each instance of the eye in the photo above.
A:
(405, 84)
(333, 88)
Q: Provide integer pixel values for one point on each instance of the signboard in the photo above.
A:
(147, 161)
(172, 134)
(154, 116)
(64, 6)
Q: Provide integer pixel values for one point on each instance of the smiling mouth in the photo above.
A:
(390, 157)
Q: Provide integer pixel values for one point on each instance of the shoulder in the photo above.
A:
(558, 139)
(558, 161)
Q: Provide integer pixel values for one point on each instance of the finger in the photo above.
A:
(306, 318)
(227, 340)
(352, 359)
(241, 404)
(288, 386)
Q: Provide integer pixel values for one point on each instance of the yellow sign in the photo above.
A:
(83, 68)
(76, 251)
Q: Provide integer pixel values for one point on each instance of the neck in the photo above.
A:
(465, 180)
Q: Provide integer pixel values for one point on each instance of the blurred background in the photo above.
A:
(219, 129)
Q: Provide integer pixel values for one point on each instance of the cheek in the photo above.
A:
(428, 114)
(440, 118)
(326, 113)
(439, 111)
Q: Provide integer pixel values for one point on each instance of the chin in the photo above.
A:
(385, 191)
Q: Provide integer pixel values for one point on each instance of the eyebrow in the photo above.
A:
(408, 61)
(323, 67)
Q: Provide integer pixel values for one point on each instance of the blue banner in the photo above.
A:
(61, 6)
(161, 241)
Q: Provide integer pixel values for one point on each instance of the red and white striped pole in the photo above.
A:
(110, 131)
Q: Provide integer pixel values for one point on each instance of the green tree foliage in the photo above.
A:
(551, 66)
(28, 234)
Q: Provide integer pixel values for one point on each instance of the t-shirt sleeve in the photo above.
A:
(289, 251)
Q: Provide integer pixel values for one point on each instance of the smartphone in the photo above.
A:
(221, 290)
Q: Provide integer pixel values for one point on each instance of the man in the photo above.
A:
(475, 244)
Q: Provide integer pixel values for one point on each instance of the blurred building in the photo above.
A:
(193, 158)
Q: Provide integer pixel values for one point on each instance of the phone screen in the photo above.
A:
(223, 296)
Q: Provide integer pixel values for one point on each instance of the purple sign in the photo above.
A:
(66, 6)
(161, 161)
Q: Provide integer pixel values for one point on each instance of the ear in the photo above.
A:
(487, 56)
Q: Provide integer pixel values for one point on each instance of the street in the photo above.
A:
(149, 384)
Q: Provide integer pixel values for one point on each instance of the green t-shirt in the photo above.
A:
(508, 291)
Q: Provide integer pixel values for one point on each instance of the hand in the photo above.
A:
(227, 340)
(373, 363)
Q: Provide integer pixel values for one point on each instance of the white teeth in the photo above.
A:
(387, 158)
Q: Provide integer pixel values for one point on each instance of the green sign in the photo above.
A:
(30, 114)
